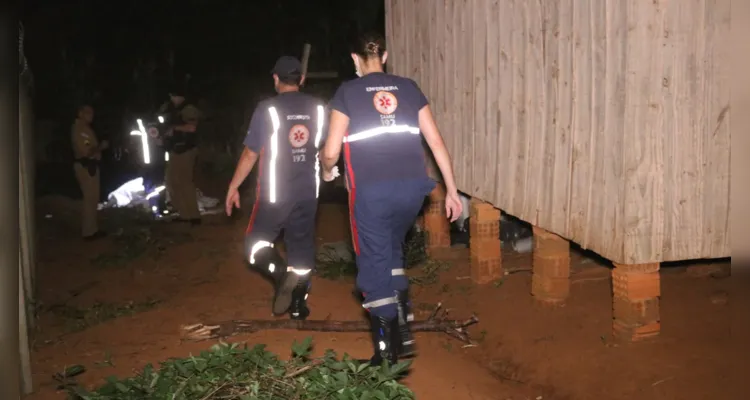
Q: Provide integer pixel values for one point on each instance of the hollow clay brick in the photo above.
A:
(548, 289)
(635, 286)
(484, 230)
(550, 280)
(484, 212)
(635, 301)
(485, 246)
(635, 333)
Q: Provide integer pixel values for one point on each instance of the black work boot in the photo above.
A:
(405, 317)
(385, 340)
(270, 262)
(285, 290)
(299, 310)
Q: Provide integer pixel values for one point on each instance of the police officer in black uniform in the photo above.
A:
(283, 138)
(378, 118)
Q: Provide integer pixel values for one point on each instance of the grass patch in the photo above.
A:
(77, 319)
(228, 371)
(136, 235)
(331, 265)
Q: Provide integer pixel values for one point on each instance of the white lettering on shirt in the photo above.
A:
(297, 117)
(381, 88)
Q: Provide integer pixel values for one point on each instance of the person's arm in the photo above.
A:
(253, 144)
(244, 166)
(337, 126)
(83, 143)
(191, 115)
(338, 123)
(435, 141)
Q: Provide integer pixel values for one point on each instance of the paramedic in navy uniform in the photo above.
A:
(378, 118)
(284, 135)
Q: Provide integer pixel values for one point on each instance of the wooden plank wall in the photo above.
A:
(604, 121)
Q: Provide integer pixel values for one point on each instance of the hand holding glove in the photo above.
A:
(331, 175)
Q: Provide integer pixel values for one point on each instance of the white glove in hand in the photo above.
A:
(332, 175)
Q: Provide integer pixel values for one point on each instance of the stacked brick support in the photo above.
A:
(484, 231)
(636, 291)
(435, 222)
(550, 281)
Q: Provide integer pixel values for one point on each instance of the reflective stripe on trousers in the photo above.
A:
(387, 300)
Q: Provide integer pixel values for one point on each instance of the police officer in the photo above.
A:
(181, 144)
(378, 118)
(87, 152)
(284, 135)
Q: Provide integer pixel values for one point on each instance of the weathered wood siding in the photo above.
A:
(604, 121)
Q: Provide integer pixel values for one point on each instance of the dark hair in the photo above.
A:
(369, 45)
(291, 79)
(81, 106)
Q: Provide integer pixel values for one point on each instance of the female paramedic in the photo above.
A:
(378, 118)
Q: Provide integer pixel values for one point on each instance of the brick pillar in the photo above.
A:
(484, 245)
(550, 281)
(636, 290)
(435, 221)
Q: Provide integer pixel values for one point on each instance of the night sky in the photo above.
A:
(121, 56)
(117, 54)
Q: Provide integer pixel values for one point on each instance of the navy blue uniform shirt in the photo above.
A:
(383, 142)
(287, 131)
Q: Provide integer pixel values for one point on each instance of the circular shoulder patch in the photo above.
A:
(385, 102)
(298, 136)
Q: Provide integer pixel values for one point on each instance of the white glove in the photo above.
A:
(333, 175)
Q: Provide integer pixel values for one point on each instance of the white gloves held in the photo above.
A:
(333, 175)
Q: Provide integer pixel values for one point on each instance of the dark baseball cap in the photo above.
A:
(176, 89)
(287, 66)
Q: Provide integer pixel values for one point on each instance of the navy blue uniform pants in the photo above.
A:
(381, 215)
(295, 218)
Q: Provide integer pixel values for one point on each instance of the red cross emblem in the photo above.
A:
(385, 102)
(298, 136)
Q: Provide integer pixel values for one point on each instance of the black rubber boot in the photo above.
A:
(385, 340)
(299, 310)
(405, 317)
(270, 262)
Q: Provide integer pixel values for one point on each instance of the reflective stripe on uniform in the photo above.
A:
(318, 136)
(366, 134)
(398, 272)
(299, 271)
(257, 246)
(380, 303)
(274, 154)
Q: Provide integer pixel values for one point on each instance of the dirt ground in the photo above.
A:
(525, 350)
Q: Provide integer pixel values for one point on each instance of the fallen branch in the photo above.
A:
(205, 331)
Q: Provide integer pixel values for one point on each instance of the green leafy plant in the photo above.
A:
(332, 266)
(228, 371)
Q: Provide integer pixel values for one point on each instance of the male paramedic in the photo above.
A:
(284, 135)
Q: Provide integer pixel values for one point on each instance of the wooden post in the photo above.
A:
(9, 252)
(23, 337)
(484, 243)
(26, 196)
(635, 301)
(305, 58)
(25, 265)
(550, 282)
(435, 221)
